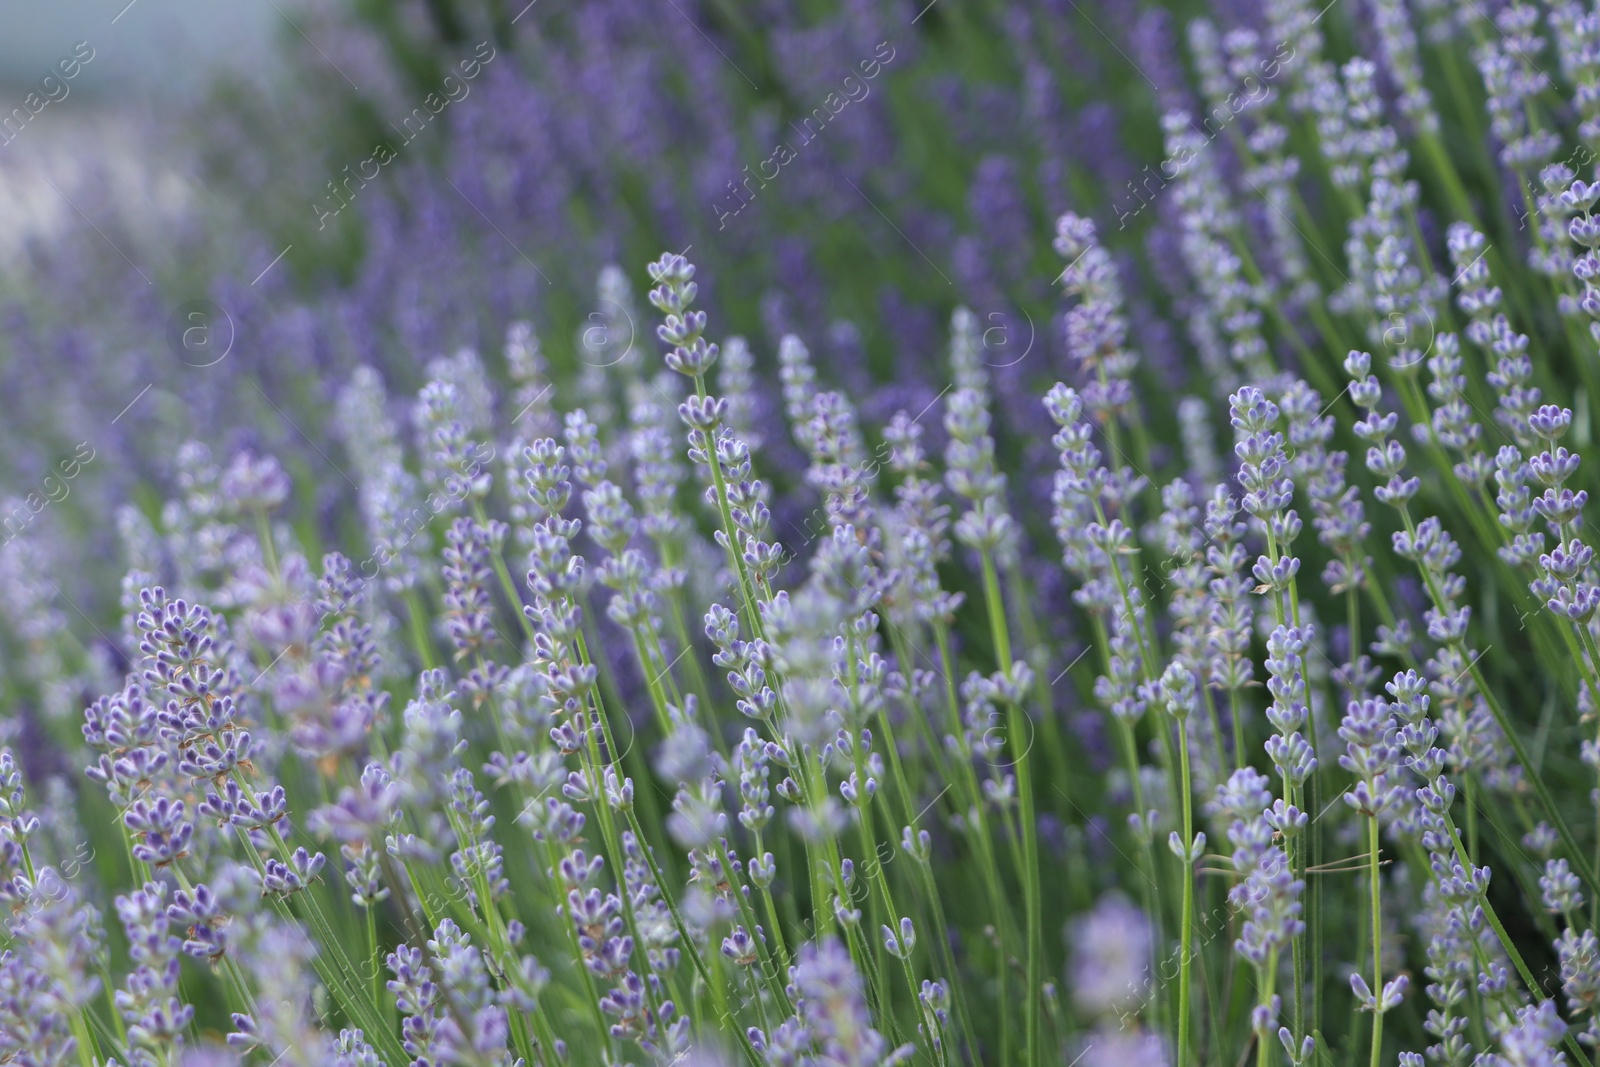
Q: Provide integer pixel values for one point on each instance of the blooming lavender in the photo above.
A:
(701, 684)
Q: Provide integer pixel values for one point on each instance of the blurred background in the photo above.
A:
(226, 209)
(162, 46)
(150, 56)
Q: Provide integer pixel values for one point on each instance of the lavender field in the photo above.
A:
(800, 533)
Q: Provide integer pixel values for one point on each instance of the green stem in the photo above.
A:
(1029, 841)
(269, 551)
(419, 629)
(730, 530)
(1268, 977)
(377, 960)
(504, 574)
(1236, 713)
(1377, 941)
(1188, 896)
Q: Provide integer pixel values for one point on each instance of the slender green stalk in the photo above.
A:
(420, 639)
(982, 840)
(376, 949)
(1029, 842)
(1184, 933)
(507, 585)
(1377, 939)
(1267, 978)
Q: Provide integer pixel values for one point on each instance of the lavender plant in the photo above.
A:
(749, 685)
